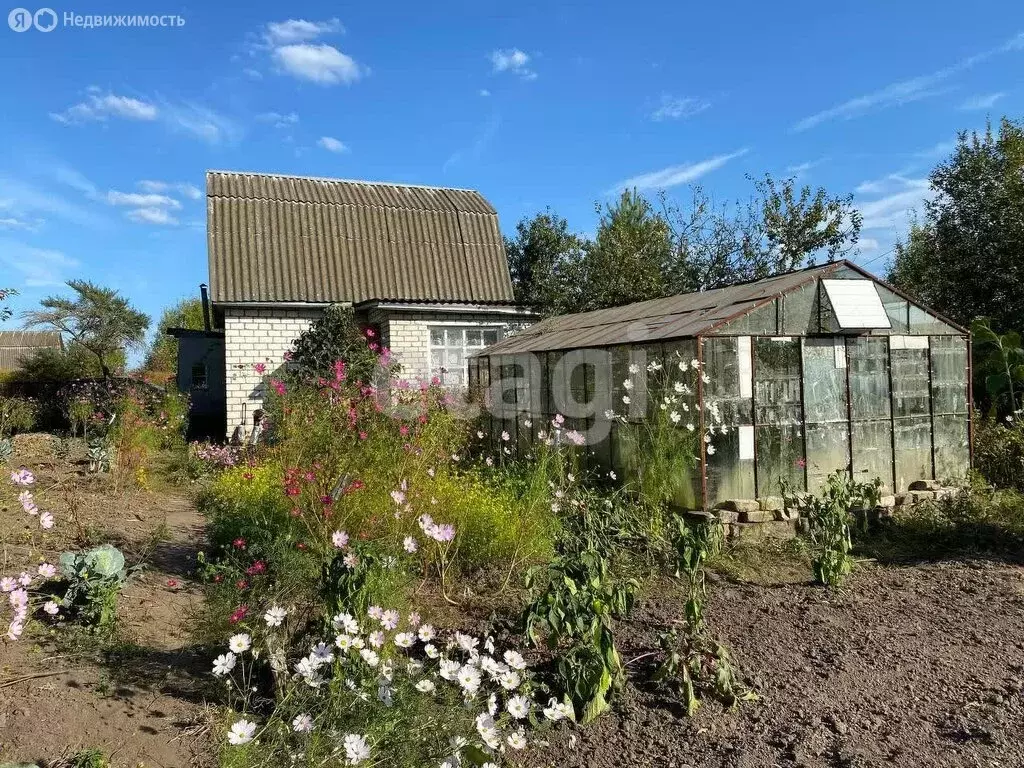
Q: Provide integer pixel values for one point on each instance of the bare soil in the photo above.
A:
(906, 666)
(140, 695)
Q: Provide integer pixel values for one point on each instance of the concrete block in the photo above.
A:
(756, 532)
(905, 499)
(740, 505)
(923, 495)
(925, 485)
(772, 503)
(756, 516)
(887, 501)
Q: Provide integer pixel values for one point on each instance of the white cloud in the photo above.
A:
(982, 102)
(39, 267)
(675, 107)
(300, 30)
(278, 120)
(905, 91)
(28, 201)
(200, 122)
(331, 144)
(141, 200)
(867, 244)
(512, 60)
(800, 169)
(676, 174)
(152, 216)
(103, 106)
(896, 199)
(13, 222)
(484, 92)
(940, 150)
(188, 190)
(322, 64)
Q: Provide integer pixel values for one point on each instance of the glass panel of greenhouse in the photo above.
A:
(766, 387)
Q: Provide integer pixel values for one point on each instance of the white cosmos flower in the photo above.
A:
(223, 664)
(344, 621)
(339, 539)
(426, 633)
(449, 669)
(627, 384)
(321, 653)
(376, 639)
(515, 660)
(634, 368)
(302, 723)
(344, 642)
(509, 680)
(241, 732)
(695, 363)
(675, 417)
(556, 710)
(389, 619)
(488, 730)
(356, 749)
(609, 414)
(517, 739)
(469, 678)
(690, 427)
(370, 657)
(654, 365)
(240, 643)
(625, 399)
(468, 643)
(404, 639)
(431, 650)
(357, 643)
(711, 450)
(679, 386)
(425, 686)
(518, 707)
(683, 366)
(409, 544)
(275, 616)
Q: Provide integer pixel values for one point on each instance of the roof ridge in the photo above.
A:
(341, 181)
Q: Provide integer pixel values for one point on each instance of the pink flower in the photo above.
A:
(22, 477)
(47, 571)
(370, 333)
(278, 386)
(288, 356)
(575, 437)
(410, 544)
(46, 521)
(260, 368)
(339, 539)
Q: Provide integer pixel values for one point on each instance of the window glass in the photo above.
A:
(450, 349)
(199, 380)
(952, 454)
(825, 409)
(778, 436)
(760, 321)
(871, 409)
(949, 374)
(729, 393)
(800, 310)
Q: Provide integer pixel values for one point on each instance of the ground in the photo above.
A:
(912, 664)
(142, 698)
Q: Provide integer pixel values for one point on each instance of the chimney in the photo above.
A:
(204, 292)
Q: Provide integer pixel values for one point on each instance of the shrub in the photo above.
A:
(336, 337)
(16, 415)
(999, 452)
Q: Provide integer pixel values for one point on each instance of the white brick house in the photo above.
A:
(425, 266)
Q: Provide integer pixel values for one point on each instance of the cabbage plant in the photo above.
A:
(95, 578)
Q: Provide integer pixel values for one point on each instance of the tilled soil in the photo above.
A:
(906, 666)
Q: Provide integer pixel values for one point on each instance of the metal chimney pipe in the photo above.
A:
(204, 292)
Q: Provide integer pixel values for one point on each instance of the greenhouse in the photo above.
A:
(780, 382)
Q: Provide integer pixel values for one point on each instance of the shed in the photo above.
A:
(781, 381)
(15, 346)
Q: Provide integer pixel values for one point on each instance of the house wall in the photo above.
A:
(206, 404)
(407, 334)
(256, 335)
(263, 335)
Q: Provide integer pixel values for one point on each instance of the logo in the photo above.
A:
(22, 20)
(45, 19)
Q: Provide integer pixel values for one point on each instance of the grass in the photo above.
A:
(764, 563)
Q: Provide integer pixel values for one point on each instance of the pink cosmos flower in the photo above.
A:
(22, 477)
(51, 607)
(260, 368)
(47, 571)
(46, 521)
(278, 386)
(339, 539)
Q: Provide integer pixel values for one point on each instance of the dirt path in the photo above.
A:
(916, 666)
(141, 702)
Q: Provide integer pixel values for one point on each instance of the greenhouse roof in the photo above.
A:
(687, 315)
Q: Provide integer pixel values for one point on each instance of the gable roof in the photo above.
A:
(673, 317)
(15, 346)
(278, 238)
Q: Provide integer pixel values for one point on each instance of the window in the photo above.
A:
(199, 376)
(856, 304)
(450, 348)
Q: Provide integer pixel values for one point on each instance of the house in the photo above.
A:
(424, 266)
(781, 382)
(15, 346)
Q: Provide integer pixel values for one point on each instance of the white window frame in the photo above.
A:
(467, 349)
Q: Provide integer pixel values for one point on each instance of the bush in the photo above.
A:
(16, 415)
(336, 337)
(999, 452)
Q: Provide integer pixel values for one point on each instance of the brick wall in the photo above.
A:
(263, 335)
(256, 336)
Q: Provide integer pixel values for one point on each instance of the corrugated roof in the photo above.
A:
(294, 239)
(689, 314)
(15, 346)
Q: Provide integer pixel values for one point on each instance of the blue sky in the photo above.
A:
(107, 132)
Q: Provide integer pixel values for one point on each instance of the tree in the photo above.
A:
(5, 311)
(542, 258)
(58, 366)
(162, 357)
(99, 319)
(964, 258)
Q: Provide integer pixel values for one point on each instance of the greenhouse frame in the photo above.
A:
(782, 381)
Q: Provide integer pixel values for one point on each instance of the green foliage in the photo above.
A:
(963, 259)
(999, 452)
(999, 364)
(99, 319)
(576, 603)
(16, 415)
(974, 522)
(59, 366)
(334, 336)
(162, 357)
(5, 311)
(828, 516)
(94, 581)
(642, 253)
(87, 758)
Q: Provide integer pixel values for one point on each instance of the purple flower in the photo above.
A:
(22, 477)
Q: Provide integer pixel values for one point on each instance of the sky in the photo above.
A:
(107, 132)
